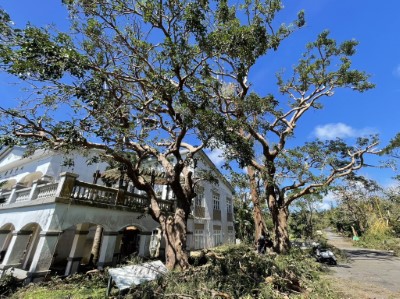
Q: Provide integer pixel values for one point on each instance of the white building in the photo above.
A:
(50, 214)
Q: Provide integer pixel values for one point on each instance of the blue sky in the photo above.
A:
(347, 114)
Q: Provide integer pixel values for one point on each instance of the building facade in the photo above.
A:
(60, 218)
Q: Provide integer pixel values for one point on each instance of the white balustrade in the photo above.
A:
(46, 191)
(80, 191)
(22, 195)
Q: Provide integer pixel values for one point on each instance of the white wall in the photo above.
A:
(15, 154)
(48, 163)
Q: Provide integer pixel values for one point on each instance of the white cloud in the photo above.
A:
(328, 201)
(340, 130)
(216, 156)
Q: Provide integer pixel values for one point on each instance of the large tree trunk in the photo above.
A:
(175, 234)
(280, 215)
(174, 226)
(282, 242)
(258, 216)
(173, 223)
(259, 221)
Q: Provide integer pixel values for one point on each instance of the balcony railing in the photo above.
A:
(94, 193)
(46, 191)
(22, 195)
(70, 188)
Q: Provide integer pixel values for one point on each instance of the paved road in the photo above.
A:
(368, 273)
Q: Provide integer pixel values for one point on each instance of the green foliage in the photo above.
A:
(393, 145)
(244, 221)
(385, 241)
(33, 53)
(230, 271)
(255, 128)
(237, 272)
(140, 78)
(372, 211)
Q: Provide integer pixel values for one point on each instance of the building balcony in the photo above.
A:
(71, 190)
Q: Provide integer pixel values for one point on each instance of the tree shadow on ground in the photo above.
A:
(368, 254)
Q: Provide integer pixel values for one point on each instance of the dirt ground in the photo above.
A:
(367, 274)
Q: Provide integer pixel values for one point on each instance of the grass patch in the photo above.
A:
(384, 242)
(73, 287)
(379, 236)
(43, 292)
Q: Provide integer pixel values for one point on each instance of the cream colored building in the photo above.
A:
(51, 214)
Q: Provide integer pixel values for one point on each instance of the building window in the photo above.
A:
(217, 238)
(216, 201)
(199, 199)
(231, 235)
(229, 205)
(198, 239)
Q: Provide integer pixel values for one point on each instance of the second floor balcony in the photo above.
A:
(69, 189)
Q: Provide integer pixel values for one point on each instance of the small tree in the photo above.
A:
(356, 197)
(392, 208)
(303, 220)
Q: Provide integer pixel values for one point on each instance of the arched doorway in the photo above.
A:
(5, 238)
(31, 235)
(22, 246)
(130, 240)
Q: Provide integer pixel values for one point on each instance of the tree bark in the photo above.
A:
(280, 214)
(96, 244)
(282, 242)
(259, 222)
(174, 225)
(175, 234)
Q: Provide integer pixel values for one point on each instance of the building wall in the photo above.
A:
(48, 163)
(20, 217)
(215, 223)
(61, 217)
(12, 155)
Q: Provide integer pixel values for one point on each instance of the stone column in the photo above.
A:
(34, 191)
(144, 244)
(117, 249)
(16, 249)
(66, 184)
(43, 255)
(13, 195)
(77, 248)
(107, 249)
